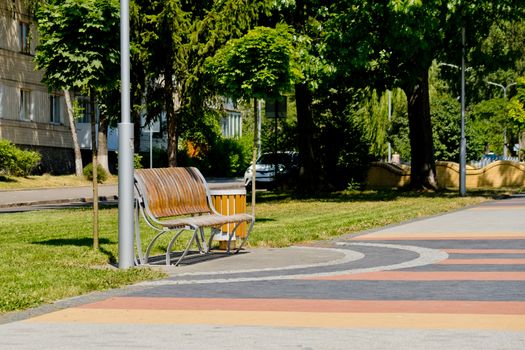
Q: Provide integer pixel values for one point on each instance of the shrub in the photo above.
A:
(102, 175)
(15, 161)
(137, 161)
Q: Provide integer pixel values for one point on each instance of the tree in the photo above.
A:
(178, 36)
(259, 65)
(79, 50)
(393, 43)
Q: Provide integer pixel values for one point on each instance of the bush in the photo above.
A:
(137, 161)
(15, 161)
(223, 158)
(102, 175)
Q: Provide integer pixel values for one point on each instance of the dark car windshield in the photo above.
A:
(275, 158)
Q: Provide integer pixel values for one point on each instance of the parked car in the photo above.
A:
(287, 168)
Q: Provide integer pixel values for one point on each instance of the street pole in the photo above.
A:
(125, 154)
(463, 144)
(389, 156)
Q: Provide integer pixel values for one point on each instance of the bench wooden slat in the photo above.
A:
(173, 191)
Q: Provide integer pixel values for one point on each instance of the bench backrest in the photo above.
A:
(172, 191)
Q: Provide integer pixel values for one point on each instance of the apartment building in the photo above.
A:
(30, 116)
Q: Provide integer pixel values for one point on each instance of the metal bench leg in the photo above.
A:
(150, 245)
(188, 246)
(204, 249)
(231, 235)
(245, 238)
(214, 231)
(138, 242)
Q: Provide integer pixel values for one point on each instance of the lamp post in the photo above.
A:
(505, 97)
(463, 141)
(463, 144)
(389, 156)
(125, 147)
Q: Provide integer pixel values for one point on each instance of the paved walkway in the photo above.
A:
(455, 281)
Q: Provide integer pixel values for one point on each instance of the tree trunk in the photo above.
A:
(73, 129)
(309, 174)
(423, 167)
(103, 143)
(94, 163)
(138, 83)
(173, 124)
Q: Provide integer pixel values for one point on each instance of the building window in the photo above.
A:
(25, 43)
(55, 109)
(85, 109)
(25, 105)
(232, 125)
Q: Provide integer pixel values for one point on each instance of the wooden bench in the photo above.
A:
(174, 200)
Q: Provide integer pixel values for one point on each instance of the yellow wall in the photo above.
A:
(497, 174)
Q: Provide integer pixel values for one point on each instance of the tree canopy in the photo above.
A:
(261, 64)
(79, 45)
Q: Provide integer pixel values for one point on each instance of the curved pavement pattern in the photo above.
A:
(454, 281)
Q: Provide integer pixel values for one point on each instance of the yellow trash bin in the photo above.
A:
(229, 202)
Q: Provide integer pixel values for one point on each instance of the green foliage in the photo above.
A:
(285, 139)
(79, 45)
(446, 125)
(261, 64)
(489, 120)
(516, 107)
(393, 44)
(171, 41)
(15, 161)
(373, 117)
(102, 175)
(137, 161)
(222, 158)
(344, 151)
(399, 132)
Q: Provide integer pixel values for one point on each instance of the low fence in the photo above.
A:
(501, 173)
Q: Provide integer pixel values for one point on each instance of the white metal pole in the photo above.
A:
(463, 143)
(389, 158)
(125, 154)
(259, 126)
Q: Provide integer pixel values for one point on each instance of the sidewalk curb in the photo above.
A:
(58, 201)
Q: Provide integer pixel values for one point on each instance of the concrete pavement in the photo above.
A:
(454, 281)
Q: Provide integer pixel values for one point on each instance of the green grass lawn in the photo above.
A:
(47, 255)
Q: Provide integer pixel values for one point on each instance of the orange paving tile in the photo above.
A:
(426, 276)
(482, 262)
(286, 319)
(312, 305)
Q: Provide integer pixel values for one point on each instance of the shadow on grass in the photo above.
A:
(4, 178)
(264, 219)
(78, 242)
(377, 195)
